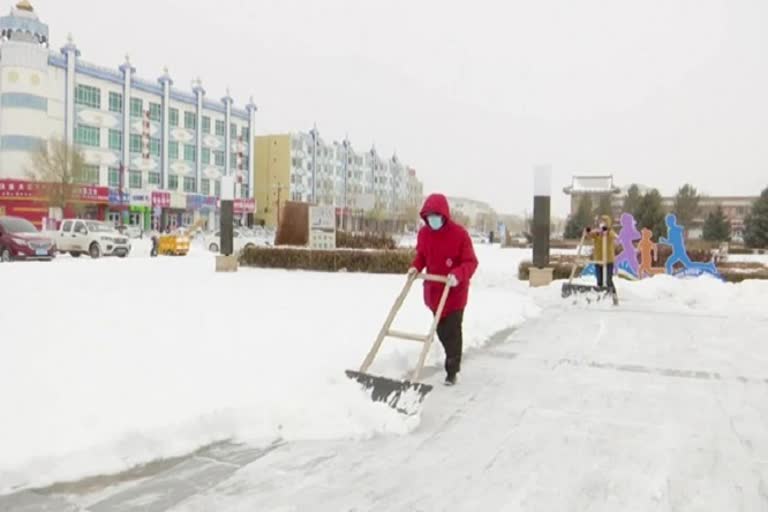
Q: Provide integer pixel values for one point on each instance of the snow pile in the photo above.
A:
(110, 363)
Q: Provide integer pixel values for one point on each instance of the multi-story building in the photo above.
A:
(478, 215)
(305, 167)
(155, 154)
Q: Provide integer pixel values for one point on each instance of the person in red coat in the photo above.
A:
(444, 248)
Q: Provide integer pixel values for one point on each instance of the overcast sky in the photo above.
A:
(474, 94)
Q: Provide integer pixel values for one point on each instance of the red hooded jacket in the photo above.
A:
(445, 251)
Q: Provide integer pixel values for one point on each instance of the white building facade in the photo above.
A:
(159, 151)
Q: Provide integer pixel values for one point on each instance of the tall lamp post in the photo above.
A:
(541, 272)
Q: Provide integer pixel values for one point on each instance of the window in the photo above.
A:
(173, 150)
(89, 175)
(190, 153)
(220, 128)
(233, 131)
(154, 147)
(134, 179)
(113, 177)
(173, 182)
(88, 135)
(173, 116)
(206, 156)
(190, 184)
(244, 191)
(246, 133)
(190, 120)
(206, 124)
(155, 113)
(67, 226)
(137, 107)
(233, 160)
(88, 96)
(153, 178)
(116, 140)
(205, 187)
(135, 143)
(116, 102)
(217, 188)
(219, 158)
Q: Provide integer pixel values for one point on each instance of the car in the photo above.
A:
(242, 239)
(20, 240)
(95, 238)
(130, 231)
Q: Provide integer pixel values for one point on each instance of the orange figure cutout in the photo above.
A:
(649, 252)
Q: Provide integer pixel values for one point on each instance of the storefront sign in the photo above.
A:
(198, 202)
(116, 199)
(91, 193)
(19, 188)
(178, 201)
(245, 206)
(141, 199)
(161, 199)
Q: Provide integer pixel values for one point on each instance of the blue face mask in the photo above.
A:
(435, 221)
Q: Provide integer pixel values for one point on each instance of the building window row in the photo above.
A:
(88, 135)
(88, 96)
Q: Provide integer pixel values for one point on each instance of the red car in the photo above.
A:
(20, 240)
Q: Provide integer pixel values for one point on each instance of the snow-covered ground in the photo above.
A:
(659, 404)
(106, 364)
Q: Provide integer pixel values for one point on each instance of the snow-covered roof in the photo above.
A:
(592, 185)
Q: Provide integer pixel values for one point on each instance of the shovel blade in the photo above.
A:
(575, 289)
(403, 396)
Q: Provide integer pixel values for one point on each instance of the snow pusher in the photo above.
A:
(405, 396)
(570, 289)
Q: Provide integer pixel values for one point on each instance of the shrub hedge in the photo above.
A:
(364, 241)
(350, 260)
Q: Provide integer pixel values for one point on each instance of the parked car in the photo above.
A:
(20, 240)
(241, 239)
(78, 236)
(134, 232)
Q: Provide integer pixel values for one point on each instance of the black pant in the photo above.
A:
(449, 332)
(599, 269)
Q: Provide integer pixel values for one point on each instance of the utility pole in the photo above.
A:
(279, 187)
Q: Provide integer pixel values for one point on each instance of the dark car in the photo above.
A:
(20, 240)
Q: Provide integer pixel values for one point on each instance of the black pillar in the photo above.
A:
(227, 217)
(541, 216)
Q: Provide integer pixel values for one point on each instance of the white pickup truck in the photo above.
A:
(78, 236)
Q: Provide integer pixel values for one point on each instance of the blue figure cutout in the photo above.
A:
(676, 240)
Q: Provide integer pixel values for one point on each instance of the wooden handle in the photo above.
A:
(433, 277)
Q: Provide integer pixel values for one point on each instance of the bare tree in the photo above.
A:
(61, 167)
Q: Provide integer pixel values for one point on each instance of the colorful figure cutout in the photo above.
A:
(647, 250)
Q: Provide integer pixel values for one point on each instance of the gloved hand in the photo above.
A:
(453, 281)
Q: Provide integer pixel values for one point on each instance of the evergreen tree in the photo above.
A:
(686, 205)
(756, 224)
(650, 214)
(632, 200)
(717, 228)
(580, 220)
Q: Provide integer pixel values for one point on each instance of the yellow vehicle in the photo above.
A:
(177, 244)
(173, 245)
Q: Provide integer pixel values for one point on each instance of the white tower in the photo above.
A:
(31, 91)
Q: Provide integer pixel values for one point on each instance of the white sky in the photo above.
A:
(474, 94)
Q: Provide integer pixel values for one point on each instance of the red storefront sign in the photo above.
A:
(91, 194)
(241, 205)
(161, 199)
(21, 189)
